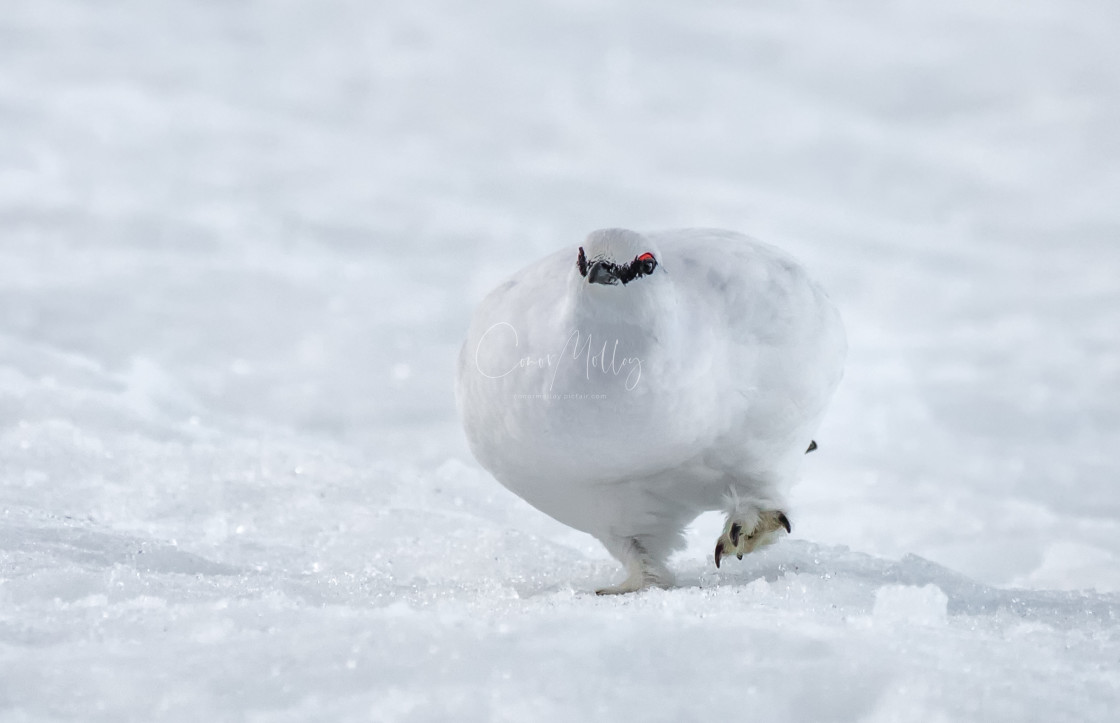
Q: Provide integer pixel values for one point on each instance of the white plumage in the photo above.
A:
(626, 386)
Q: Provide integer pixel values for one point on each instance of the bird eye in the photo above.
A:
(648, 263)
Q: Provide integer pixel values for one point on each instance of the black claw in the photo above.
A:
(719, 552)
(736, 529)
(739, 555)
(784, 520)
(812, 446)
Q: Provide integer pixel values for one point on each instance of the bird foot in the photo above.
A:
(748, 530)
(642, 570)
(639, 579)
(622, 588)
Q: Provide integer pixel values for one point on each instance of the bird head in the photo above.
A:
(615, 257)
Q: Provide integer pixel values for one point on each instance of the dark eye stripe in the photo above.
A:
(639, 267)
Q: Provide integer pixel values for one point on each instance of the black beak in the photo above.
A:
(602, 273)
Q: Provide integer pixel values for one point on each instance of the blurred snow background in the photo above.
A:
(239, 244)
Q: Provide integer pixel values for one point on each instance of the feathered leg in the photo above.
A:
(644, 569)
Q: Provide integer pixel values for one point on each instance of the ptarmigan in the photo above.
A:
(625, 386)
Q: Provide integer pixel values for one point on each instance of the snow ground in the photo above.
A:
(239, 243)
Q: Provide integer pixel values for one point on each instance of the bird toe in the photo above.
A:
(741, 537)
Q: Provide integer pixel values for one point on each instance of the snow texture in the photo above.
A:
(239, 247)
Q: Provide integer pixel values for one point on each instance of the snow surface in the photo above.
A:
(239, 244)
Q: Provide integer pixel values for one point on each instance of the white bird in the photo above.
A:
(629, 385)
